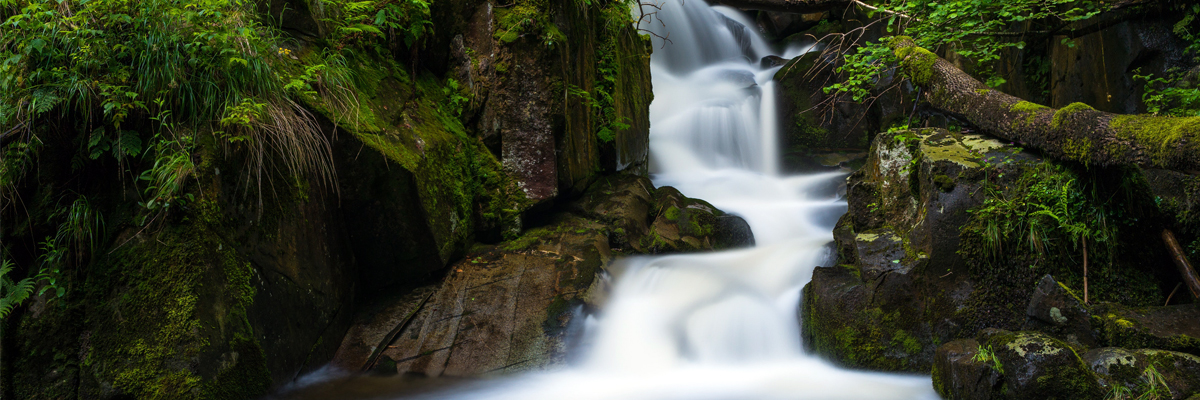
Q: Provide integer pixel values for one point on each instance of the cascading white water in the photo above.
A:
(716, 325)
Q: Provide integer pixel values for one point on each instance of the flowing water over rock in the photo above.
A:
(716, 325)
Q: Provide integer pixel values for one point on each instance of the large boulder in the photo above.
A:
(938, 244)
(1146, 373)
(1055, 310)
(1013, 365)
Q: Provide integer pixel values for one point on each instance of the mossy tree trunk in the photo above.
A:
(1075, 132)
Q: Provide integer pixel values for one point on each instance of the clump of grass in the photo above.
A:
(987, 356)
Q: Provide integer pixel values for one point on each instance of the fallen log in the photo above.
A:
(1076, 132)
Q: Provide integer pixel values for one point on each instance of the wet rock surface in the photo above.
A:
(897, 255)
(515, 306)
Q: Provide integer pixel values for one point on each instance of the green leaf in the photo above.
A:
(130, 144)
(37, 44)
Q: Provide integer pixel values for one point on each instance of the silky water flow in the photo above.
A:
(720, 325)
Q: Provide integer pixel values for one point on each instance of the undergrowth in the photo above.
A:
(1041, 218)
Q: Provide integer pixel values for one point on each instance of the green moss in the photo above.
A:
(555, 311)
(917, 62)
(672, 213)
(1061, 116)
(177, 295)
(1166, 138)
(944, 183)
(869, 338)
(1078, 149)
(527, 18)
(1027, 112)
(903, 340)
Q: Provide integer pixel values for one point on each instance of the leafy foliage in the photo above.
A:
(131, 72)
(13, 293)
(356, 21)
(976, 30)
(1044, 207)
(1178, 93)
(862, 69)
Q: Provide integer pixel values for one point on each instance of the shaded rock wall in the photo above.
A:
(248, 286)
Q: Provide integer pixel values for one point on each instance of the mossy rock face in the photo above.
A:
(164, 316)
(622, 201)
(520, 62)
(1001, 364)
(1146, 372)
(913, 244)
(1037, 366)
(895, 249)
(1174, 328)
(959, 374)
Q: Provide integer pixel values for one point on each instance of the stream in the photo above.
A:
(716, 325)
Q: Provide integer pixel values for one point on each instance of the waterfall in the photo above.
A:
(715, 325)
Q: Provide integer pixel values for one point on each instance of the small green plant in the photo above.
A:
(166, 179)
(1118, 392)
(13, 293)
(987, 356)
(1153, 385)
(358, 21)
(455, 101)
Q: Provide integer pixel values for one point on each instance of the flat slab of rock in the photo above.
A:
(1174, 328)
(506, 309)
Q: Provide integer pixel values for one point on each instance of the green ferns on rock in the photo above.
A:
(1041, 217)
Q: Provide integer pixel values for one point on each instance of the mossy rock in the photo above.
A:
(913, 243)
(959, 373)
(1013, 365)
(683, 224)
(1036, 366)
(1146, 372)
(1173, 328)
